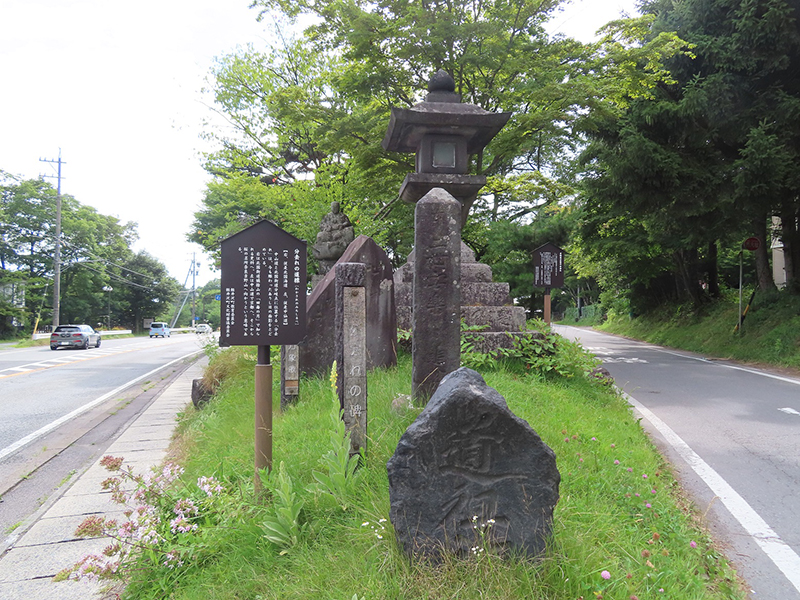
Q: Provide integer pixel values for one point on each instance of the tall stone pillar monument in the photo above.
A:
(436, 321)
(443, 133)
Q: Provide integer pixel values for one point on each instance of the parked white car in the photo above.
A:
(203, 328)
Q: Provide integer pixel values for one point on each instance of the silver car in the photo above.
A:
(74, 336)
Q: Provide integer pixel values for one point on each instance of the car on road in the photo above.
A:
(74, 336)
(158, 328)
(203, 328)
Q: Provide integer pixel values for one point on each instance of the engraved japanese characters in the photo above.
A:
(469, 473)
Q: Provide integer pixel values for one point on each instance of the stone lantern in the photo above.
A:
(442, 132)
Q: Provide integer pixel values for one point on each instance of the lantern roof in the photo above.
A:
(442, 113)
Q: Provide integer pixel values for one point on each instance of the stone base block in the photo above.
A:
(485, 294)
(498, 318)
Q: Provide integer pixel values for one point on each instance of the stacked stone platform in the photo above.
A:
(483, 302)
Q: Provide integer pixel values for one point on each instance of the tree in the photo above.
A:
(314, 110)
(705, 162)
(95, 254)
(150, 290)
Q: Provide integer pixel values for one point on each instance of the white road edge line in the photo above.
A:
(78, 411)
(778, 551)
(735, 368)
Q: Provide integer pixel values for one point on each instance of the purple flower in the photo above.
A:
(653, 492)
(605, 574)
(648, 505)
(630, 469)
(616, 462)
(644, 476)
(594, 439)
(693, 544)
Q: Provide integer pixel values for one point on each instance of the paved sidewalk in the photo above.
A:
(49, 546)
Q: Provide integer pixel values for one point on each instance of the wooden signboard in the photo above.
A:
(263, 303)
(263, 287)
(548, 266)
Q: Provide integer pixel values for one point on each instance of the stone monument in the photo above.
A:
(351, 351)
(290, 375)
(436, 323)
(318, 349)
(443, 133)
(335, 235)
(468, 474)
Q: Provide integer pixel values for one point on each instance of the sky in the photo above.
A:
(115, 87)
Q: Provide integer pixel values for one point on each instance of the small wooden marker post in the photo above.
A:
(290, 375)
(548, 271)
(351, 351)
(263, 304)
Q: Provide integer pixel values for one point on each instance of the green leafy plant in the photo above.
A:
(545, 352)
(284, 528)
(340, 478)
(470, 357)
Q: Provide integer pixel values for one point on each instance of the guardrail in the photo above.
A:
(44, 336)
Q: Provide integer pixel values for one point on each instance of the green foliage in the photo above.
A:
(95, 254)
(540, 352)
(770, 333)
(340, 479)
(600, 524)
(308, 114)
(546, 352)
(593, 314)
(284, 528)
(680, 178)
(470, 357)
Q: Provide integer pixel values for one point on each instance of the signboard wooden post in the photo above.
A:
(548, 272)
(263, 303)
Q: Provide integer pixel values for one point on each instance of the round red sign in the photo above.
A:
(751, 244)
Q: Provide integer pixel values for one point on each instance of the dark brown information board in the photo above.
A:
(548, 266)
(263, 287)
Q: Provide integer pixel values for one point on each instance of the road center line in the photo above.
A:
(86, 407)
(778, 551)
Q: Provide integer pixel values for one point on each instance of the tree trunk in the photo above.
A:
(686, 261)
(763, 270)
(712, 270)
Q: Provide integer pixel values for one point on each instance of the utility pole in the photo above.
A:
(57, 254)
(194, 273)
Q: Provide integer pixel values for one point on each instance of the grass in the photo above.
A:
(770, 334)
(621, 513)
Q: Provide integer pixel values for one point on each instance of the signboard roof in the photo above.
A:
(263, 287)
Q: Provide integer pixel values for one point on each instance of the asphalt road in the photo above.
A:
(40, 387)
(732, 434)
(61, 409)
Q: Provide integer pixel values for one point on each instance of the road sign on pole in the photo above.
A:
(752, 244)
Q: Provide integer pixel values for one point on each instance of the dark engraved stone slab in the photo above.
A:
(351, 351)
(436, 316)
(317, 350)
(468, 473)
